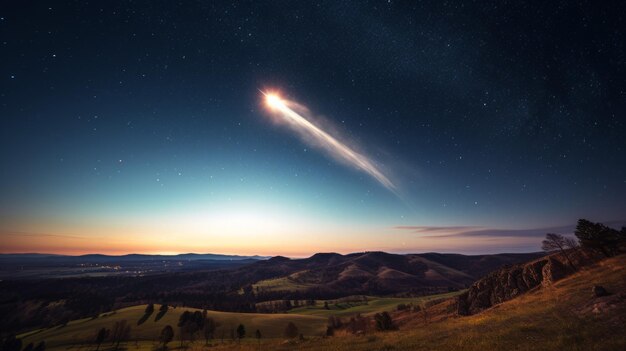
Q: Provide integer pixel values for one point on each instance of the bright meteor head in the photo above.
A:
(273, 100)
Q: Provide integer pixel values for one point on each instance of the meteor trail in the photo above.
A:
(332, 145)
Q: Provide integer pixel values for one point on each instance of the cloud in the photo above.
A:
(487, 232)
(426, 229)
(38, 235)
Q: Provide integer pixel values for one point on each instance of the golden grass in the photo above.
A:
(546, 319)
(83, 331)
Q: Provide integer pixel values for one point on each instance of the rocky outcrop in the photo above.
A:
(512, 281)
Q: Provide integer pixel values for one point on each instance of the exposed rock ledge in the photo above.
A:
(512, 281)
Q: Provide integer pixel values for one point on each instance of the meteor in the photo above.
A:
(336, 149)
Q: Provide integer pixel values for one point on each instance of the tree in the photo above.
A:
(162, 311)
(257, 335)
(241, 332)
(335, 322)
(384, 322)
(557, 242)
(210, 325)
(189, 324)
(121, 332)
(101, 335)
(149, 309)
(167, 335)
(358, 324)
(326, 305)
(598, 237)
(291, 331)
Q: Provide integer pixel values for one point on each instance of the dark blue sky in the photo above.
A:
(131, 120)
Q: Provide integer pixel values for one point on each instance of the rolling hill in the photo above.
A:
(565, 315)
(83, 331)
(377, 272)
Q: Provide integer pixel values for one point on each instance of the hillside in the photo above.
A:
(562, 316)
(365, 305)
(48, 302)
(83, 331)
(377, 272)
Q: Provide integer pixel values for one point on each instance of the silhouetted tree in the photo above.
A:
(291, 331)
(121, 332)
(189, 324)
(357, 324)
(335, 322)
(326, 305)
(210, 325)
(162, 311)
(241, 332)
(557, 242)
(101, 335)
(384, 322)
(167, 335)
(599, 237)
(149, 309)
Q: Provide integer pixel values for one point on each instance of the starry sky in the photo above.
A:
(140, 126)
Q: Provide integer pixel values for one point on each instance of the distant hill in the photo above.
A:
(100, 258)
(47, 266)
(376, 272)
(564, 315)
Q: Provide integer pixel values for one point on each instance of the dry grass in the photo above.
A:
(555, 318)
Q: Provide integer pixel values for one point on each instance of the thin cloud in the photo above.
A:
(31, 234)
(486, 232)
(426, 229)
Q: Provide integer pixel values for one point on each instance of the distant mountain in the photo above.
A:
(323, 274)
(374, 272)
(100, 258)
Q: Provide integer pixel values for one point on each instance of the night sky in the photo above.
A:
(140, 126)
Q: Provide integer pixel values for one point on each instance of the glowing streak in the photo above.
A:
(336, 148)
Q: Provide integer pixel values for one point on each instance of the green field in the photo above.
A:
(83, 331)
(280, 284)
(287, 283)
(343, 308)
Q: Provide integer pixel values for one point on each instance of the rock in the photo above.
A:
(599, 291)
(554, 270)
(512, 281)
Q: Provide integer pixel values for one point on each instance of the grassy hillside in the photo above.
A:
(84, 330)
(564, 316)
(287, 283)
(561, 317)
(346, 308)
